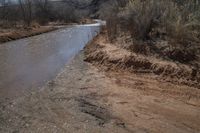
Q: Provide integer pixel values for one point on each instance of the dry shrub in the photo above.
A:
(140, 18)
(182, 25)
(174, 72)
(177, 22)
(143, 16)
(35, 24)
(180, 22)
(182, 55)
(7, 24)
(109, 11)
(141, 48)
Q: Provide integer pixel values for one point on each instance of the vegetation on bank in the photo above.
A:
(7, 35)
(167, 29)
(26, 12)
(24, 18)
(150, 36)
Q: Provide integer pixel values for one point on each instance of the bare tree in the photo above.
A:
(26, 10)
(8, 13)
(3, 9)
(43, 10)
(43, 4)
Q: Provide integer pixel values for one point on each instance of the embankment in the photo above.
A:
(111, 57)
(14, 34)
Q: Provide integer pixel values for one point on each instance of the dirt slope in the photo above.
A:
(103, 53)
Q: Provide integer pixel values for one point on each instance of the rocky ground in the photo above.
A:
(88, 99)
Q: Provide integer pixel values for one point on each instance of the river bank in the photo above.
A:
(95, 91)
(10, 34)
(7, 35)
(87, 98)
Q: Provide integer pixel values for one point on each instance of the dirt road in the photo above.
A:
(85, 99)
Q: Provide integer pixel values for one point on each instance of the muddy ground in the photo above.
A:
(87, 99)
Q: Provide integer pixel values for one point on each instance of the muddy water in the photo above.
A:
(29, 63)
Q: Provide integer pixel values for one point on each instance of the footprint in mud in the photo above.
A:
(85, 88)
(122, 102)
(101, 114)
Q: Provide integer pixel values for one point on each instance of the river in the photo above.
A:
(29, 63)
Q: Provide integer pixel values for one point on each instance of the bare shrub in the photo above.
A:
(182, 24)
(26, 10)
(109, 11)
(143, 16)
(43, 11)
(66, 13)
(174, 21)
(9, 14)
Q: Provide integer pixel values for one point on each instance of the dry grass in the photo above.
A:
(178, 23)
(102, 53)
(14, 34)
(142, 17)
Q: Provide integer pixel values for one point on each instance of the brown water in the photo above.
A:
(29, 63)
